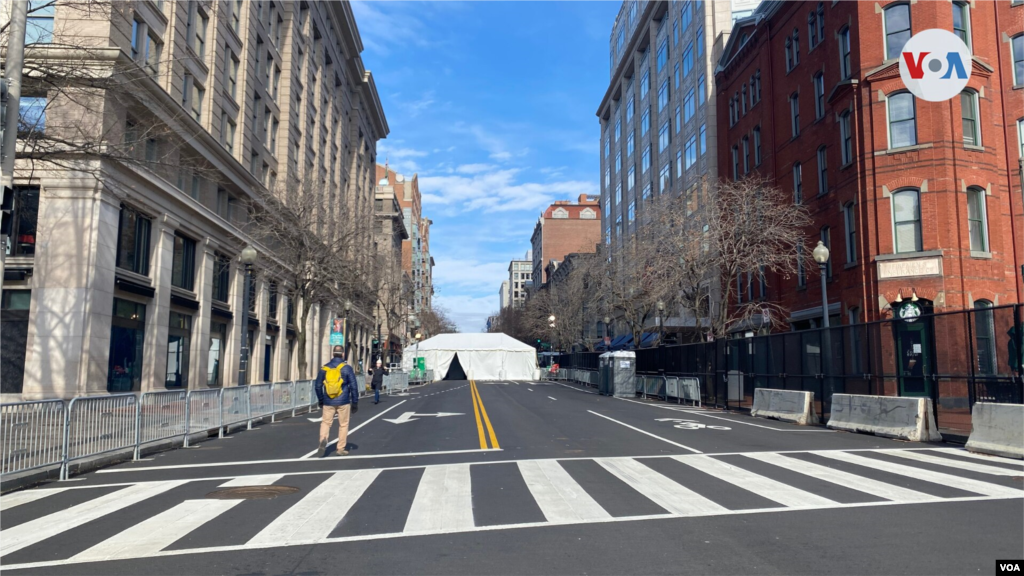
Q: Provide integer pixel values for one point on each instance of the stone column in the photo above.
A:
(158, 310)
(238, 323)
(202, 321)
(68, 343)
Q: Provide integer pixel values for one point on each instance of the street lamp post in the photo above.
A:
(416, 355)
(551, 324)
(248, 258)
(607, 327)
(821, 255)
(661, 322)
(348, 337)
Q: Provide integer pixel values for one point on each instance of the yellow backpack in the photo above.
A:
(333, 380)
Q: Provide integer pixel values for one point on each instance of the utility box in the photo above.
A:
(617, 374)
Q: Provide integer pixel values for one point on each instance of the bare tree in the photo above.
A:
(391, 292)
(434, 321)
(567, 297)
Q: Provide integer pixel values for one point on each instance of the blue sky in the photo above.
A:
(492, 104)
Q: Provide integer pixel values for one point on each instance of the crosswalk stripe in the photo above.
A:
(560, 498)
(845, 479)
(762, 486)
(976, 486)
(156, 533)
(255, 480)
(972, 466)
(984, 457)
(33, 531)
(659, 488)
(443, 501)
(8, 501)
(315, 516)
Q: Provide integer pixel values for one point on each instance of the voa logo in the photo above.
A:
(935, 65)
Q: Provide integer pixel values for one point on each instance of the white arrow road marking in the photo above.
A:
(320, 419)
(411, 416)
(353, 430)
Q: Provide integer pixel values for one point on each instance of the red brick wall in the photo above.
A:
(940, 164)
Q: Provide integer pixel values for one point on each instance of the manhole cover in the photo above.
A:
(252, 492)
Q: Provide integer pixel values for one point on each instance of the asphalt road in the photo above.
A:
(529, 478)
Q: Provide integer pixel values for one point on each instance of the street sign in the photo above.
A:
(411, 416)
(338, 332)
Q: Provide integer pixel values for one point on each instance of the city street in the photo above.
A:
(528, 477)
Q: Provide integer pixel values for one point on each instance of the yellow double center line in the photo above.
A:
(481, 418)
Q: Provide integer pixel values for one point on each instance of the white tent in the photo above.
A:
(483, 356)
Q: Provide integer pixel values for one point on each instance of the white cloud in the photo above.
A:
(497, 191)
(474, 168)
(378, 22)
(400, 159)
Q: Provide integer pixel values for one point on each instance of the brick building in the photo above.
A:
(564, 227)
(416, 259)
(910, 196)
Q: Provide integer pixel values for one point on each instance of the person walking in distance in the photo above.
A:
(377, 380)
(337, 391)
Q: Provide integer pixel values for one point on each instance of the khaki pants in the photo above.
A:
(328, 419)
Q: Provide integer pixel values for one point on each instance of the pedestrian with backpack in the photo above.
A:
(377, 380)
(338, 393)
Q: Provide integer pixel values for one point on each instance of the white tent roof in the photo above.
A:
(473, 341)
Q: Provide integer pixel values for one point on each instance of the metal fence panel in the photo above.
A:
(97, 425)
(261, 400)
(284, 396)
(302, 391)
(204, 411)
(234, 405)
(33, 434)
(161, 416)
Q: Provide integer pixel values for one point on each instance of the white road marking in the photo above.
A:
(976, 486)
(576, 389)
(530, 389)
(314, 517)
(354, 430)
(762, 486)
(561, 499)
(8, 501)
(320, 419)
(694, 450)
(33, 531)
(254, 480)
(985, 457)
(287, 460)
(157, 532)
(443, 501)
(703, 412)
(972, 466)
(845, 479)
(660, 489)
(552, 397)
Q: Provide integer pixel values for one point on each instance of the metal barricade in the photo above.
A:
(284, 398)
(689, 389)
(33, 434)
(261, 401)
(234, 405)
(161, 415)
(654, 385)
(672, 388)
(97, 425)
(302, 389)
(204, 412)
(396, 382)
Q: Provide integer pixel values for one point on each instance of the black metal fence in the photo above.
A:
(955, 358)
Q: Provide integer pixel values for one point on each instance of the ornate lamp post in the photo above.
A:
(248, 258)
(348, 307)
(821, 255)
(661, 322)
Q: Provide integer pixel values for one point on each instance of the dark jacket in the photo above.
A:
(378, 377)
(349, 388)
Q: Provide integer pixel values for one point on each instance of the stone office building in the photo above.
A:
(122, 271)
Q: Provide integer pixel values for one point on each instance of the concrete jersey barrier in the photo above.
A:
(889, 416)
(786, 405)
(997, 429)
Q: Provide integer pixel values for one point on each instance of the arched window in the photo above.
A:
(985, 337)
(902, 120)
(977, 221)
(969, 117)
(897, 29)
(906, 217)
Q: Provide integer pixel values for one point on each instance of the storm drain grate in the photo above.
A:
(252, 492)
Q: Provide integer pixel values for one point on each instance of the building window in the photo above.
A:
(1017, 47)
(127, 329)
(647, 190)
(735, 163)
(227, 132)
(969, 116)
(679, 164)
(39, 22)
(183, 263)
(691, 152)
(906, 215)
(822, 171)
(632, 211)
(630, 145)
(812, 31)
(757, 145)
(984, 328)
(630, 109)
(821, 21)
(679, 119)
(789, 53)
(1020, 138)
(746, 155)
(798, 183)
(221, 278)
(217, 349)
(844, 53)
(796, 46)
(850, 222)
(700, 41)
(197, 22)
(664, 137)
(665, 181)
(962, 22)
(179, 338)
(230, 72)
(897, 29)
(645, 84)
(703, 139)
(977, 220)
(676, 75)
(21, 240)
(902, 120)
(743, 99)
(794, 114)
(663, 96)
(846, 137)
(756, 91)
(645, 160)
(819, 96)
(701, 91)
(662, 54)
(133, 242)
(32, 115)
(645, 122)
(687, 59)
(630, 179)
